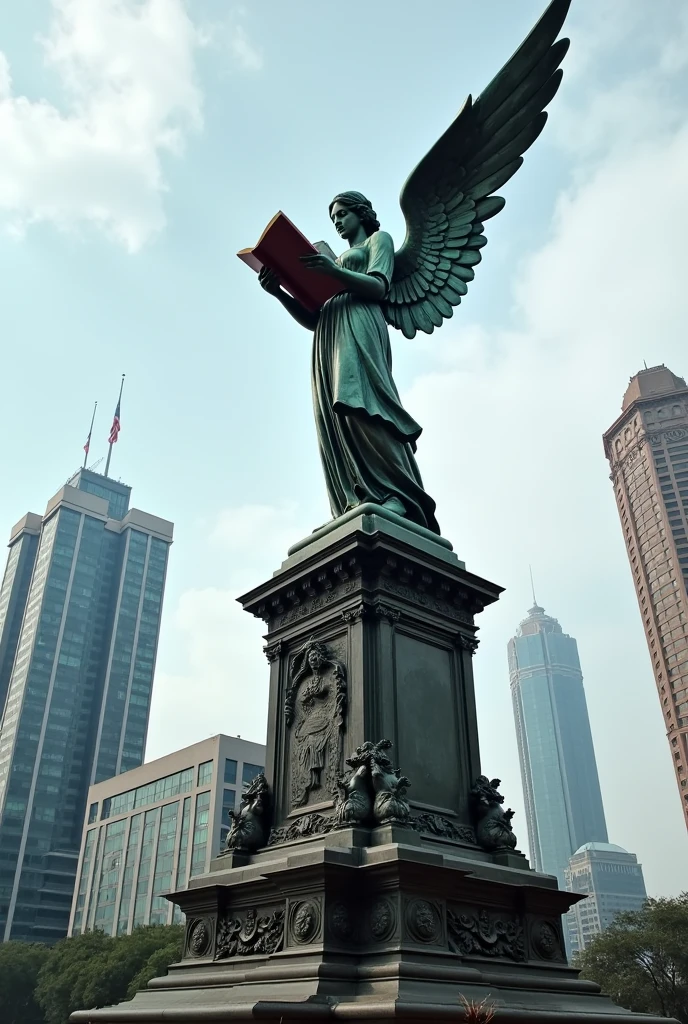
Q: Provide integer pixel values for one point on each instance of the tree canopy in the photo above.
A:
(641, 960)
(43, 985)
(20, 963)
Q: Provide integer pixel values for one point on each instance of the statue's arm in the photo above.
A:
(305, 317)
(370, 286)
(270, 282)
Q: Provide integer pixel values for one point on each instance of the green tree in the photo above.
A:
(94, 969)
(20, 963)
(641, 961)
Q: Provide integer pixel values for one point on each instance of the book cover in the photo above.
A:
(280, 247)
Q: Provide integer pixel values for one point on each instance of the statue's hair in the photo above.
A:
(362, 207)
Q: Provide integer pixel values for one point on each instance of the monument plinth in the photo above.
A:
(381, 892)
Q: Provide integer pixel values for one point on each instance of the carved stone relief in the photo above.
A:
(315, 711)
(304, 921)
(249, 933)
(479, 933)
(199, 935)
(545, 941)
(423, 921)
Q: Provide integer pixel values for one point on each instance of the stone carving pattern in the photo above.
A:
(423, 921)
(305, 826)
(250, 824)
(468, 643)
(436, 825)
(249, 934)
(545, 941)
(199, 938)
(415, 596)
(492, 823)
(273, 651)
(305, 921)
(315, 710)
(373, 792)
(309, 606)
(382, 920)
(366, 608)
(479, 933)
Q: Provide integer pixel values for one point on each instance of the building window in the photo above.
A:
(228, 804)
(92, 813)
(200, 834)
(230, 771)
(205, 773)
(250, 771)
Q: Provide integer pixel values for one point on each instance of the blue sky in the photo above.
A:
(145, 141)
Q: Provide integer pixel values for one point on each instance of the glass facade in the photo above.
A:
(13, 594)
(613, 882)
(561, 787)
(147, 840)
(54, 720)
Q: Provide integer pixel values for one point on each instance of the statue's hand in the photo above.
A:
(269, 281)
(321, 262)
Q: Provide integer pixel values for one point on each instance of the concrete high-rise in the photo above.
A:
(647, 449)
(149, 831)
(80, 607)
(560, 783)
(612, 880)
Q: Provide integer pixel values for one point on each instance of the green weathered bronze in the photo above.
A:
(367, 439)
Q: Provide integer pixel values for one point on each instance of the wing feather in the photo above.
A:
(451, 192)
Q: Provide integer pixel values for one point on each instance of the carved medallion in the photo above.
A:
(250, 933)
(423, 921)
(199, 938)
(477, 933)
(546, 941)
(341, 924)
(315, 710)
(305, 921)
(382, 920)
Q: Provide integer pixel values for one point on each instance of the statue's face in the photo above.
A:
(345, 221)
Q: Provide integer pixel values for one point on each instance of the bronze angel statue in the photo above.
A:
(367, 440)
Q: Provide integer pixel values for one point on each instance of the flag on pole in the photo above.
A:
(87, 446)
(116, 427)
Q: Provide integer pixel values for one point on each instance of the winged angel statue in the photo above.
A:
(367, 439)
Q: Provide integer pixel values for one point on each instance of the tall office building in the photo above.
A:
(80, 608)
(148, 832)
(647, 449)
(560, 784)
(612, 880)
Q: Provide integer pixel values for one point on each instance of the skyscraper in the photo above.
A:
(613, 881)
(560, 784)
(80, 608)
(647, 448)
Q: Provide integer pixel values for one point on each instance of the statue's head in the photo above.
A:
(351, 210)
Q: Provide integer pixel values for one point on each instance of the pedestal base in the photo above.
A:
(369, 933)
(371, 633)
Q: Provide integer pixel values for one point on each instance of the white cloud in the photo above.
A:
(131, 96)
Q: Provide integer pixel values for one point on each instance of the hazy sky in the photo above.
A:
(144, 141)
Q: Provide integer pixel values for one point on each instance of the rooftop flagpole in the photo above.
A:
(87, 446)
(115, 428)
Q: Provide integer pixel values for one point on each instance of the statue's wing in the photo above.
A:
(451, 192)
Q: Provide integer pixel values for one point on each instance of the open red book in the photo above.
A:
(280, 247)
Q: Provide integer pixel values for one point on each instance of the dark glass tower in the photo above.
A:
(560, 784)
(80, 609)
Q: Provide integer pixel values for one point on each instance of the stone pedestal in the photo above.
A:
(371, 634)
